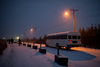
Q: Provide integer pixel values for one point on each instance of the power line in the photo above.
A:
(89, 10)
(76, 19)
(52, 27)
(84, 4)
(98, 14)
(49, 21)
(57, 17)
(64, 23)
(94, 4)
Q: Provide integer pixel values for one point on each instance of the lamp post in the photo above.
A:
(32, 31)
(35, 31)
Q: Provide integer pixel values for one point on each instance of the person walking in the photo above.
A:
(19, 42)
(9, 41)
(12, 41)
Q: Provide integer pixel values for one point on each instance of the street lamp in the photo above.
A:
(66, 13)
(31, 30)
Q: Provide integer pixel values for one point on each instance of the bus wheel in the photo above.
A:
(46, 45)
(68, 48)
(59, 47)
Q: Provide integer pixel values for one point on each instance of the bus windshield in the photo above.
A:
(74, 37)
(79, 37)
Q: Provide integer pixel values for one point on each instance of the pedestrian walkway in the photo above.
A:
(22, 56)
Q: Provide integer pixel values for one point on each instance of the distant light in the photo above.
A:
(17, 37)
(3, 37)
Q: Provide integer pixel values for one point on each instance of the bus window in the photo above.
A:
(74, 37)
(49, 37)
(79, 37)
(63, 36)
(58, 37)
(52, 37)
(69, 36)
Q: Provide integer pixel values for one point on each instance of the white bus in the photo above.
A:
(64, 39)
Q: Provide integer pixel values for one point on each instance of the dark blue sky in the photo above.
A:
(19, 16)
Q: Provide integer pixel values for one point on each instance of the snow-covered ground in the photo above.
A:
(23, 56)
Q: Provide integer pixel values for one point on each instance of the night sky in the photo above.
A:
(19, 16)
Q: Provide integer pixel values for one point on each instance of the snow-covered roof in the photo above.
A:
(58, 33)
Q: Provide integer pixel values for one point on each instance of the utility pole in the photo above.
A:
(73, 18)
(35, 31)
